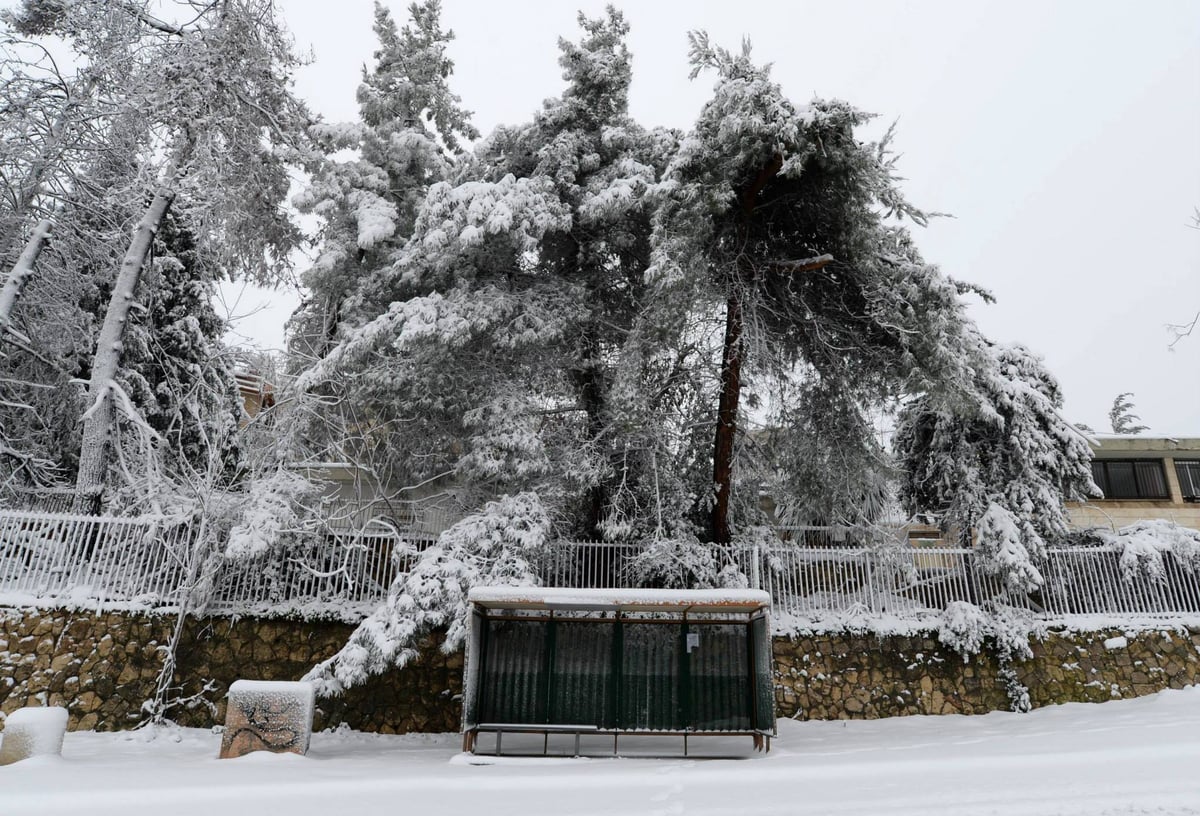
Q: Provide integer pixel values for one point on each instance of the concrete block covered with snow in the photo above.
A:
(267, 716)
(33, 732)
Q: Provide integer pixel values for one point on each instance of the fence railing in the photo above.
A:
(90, 558)
(811, 573)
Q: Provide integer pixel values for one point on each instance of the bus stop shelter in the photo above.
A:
(618, 662)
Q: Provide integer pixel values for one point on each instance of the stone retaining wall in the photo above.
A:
(824, 676)
(103, 666)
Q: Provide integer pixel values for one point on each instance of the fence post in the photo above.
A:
(755, 566)
(876, 601)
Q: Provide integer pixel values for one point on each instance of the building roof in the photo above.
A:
(1144, 443)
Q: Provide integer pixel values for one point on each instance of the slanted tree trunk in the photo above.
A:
(98, 421)
(21, 272)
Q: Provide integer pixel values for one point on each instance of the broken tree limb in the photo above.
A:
(98, 420)
(804, 265)
(22, 271)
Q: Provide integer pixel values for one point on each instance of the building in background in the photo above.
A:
(1143, 477)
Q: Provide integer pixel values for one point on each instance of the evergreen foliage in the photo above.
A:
(998, 459)
(501, 545)
(1122, 418)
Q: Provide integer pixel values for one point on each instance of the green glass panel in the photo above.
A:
(720, 686)
(512, 678)
(764, 677)
(649, 687)
(579, 683)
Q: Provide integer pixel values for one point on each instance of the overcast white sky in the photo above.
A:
(1064, 137)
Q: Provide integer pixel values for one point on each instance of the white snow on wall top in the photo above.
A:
(667, 598)
(276, 687)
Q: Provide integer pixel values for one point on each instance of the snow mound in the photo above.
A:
(30, 732)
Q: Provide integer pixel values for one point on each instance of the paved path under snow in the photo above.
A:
(1126, 757)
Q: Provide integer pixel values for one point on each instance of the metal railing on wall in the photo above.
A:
(811, 573)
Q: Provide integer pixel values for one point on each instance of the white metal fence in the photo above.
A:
(811, 573)
(87, 558)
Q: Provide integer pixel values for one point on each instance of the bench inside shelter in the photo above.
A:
(549, 661)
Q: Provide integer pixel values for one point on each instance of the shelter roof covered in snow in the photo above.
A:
(643, 600)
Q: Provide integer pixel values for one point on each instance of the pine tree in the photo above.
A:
(778, 216)
(175, 368)
(1122, 418)
(513, 297)
(411, 129)
(409, 136)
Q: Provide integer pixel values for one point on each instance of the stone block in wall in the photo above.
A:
(267, 715)
(33, 732)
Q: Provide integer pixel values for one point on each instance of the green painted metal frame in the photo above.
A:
(611, 715)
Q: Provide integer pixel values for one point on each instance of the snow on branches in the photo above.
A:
(1144, 544)
(502, 545)
(269, 511)
(996, 457)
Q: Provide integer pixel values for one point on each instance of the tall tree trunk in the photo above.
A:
(98, 421)
(731, 355)
(590, 380)
(727, 410)
(21, 272)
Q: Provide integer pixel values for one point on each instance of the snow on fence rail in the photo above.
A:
(813, 574)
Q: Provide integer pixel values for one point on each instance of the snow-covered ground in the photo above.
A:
(1125, 757)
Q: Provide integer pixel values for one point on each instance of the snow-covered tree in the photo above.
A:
(227, 69)
(175, 369)
(512, 299)
(58, 126)
(996, 460)
(411, 128)
(778, 216)
(366, 191)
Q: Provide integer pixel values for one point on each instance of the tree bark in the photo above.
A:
(592, 397)
(727, 409)
(21, 272)
(731, 357)
(98, 421)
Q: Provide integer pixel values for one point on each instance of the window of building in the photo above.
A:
(1188, 472)
(1131, 478)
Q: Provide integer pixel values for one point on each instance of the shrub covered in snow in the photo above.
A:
(681, 562)
(270, 510)
(966, 628)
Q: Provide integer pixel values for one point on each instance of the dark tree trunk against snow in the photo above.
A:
(731, 357)
(98, 421)
(590, 381)
(21, 272)
(727, 409)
